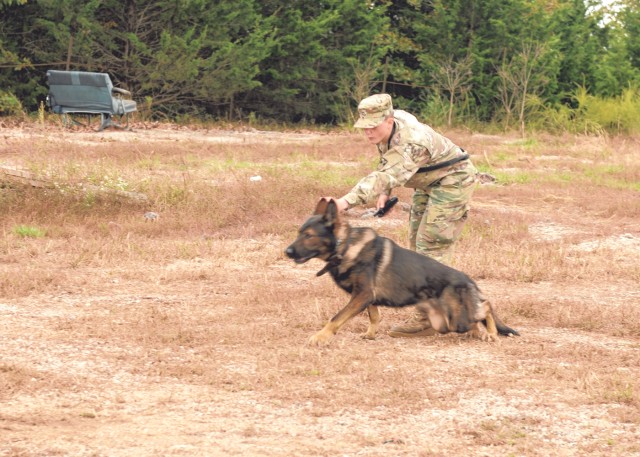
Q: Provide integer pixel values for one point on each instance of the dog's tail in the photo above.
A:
(503, 329)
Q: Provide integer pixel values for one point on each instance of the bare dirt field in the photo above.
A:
(186, 335)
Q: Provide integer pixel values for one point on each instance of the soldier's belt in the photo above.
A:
(445, 164)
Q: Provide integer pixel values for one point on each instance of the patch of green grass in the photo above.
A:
(501, 157)
(149, 163)
(602, 170)
(27, 231)
(107, 180)
(621, 392)
(516, 177)
(484, 167)
(229, 164)
(609, 176)
(526, 143)
(326, 174)
(613, 176)
(562, 176)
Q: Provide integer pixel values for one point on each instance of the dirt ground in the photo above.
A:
(180, 358)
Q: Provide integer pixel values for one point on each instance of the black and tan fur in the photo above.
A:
(378, 272)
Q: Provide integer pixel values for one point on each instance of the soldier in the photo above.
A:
(413, 155)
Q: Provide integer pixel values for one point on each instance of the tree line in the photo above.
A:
(508, 62)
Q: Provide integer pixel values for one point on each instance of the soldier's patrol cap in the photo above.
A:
(373, 110)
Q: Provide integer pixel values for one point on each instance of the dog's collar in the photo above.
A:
(333, 261)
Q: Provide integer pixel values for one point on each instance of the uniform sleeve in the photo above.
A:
(396, 167)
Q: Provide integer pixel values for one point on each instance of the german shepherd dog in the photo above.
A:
(378, 272)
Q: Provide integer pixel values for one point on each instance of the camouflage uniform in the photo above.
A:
(441, 197)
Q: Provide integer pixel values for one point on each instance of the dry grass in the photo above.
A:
(190, 331)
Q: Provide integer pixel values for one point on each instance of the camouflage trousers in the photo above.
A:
(438, 213)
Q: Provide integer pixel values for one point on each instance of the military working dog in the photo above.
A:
(378, 272)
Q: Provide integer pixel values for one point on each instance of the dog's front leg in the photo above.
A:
(356, 305)
(374, 323)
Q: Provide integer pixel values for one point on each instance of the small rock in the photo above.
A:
(151, 216)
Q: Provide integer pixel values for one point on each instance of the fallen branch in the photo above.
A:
(24, 177)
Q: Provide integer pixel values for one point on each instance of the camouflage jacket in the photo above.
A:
(412, 145)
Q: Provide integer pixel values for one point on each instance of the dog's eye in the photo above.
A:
(307, 236)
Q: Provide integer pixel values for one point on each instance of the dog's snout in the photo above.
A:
(290, 252)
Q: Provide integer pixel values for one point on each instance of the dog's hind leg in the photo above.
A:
(356, 305)
(374, 322)
(433, 310)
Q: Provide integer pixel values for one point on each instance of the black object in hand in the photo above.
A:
(387, 206)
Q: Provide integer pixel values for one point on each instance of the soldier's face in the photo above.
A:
(381, 133)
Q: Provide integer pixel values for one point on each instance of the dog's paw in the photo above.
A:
(368, 336)
(321, 338)
(471, 334)
(485, 336)
(479, 331)
(489, 338)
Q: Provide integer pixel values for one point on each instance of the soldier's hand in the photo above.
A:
(341, 203)
(382, 199)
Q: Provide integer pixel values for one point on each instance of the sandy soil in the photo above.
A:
(184, 360)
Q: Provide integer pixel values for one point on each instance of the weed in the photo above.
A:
(622, 392)
(28, 231)
(512, 177)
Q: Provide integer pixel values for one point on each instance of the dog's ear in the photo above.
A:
(321, 207)
(331, 213)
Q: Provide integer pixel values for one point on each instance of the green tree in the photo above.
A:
(521, 78)
(63, 32)
(46, 34)
(455, 79)
(579, 45)
(614, 71)
(631, 19)
(184, 56)
(319, 49)
(486, 33)
(312, 61)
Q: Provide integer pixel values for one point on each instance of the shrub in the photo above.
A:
(9, 104)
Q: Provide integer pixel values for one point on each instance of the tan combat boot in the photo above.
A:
(417, 325)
